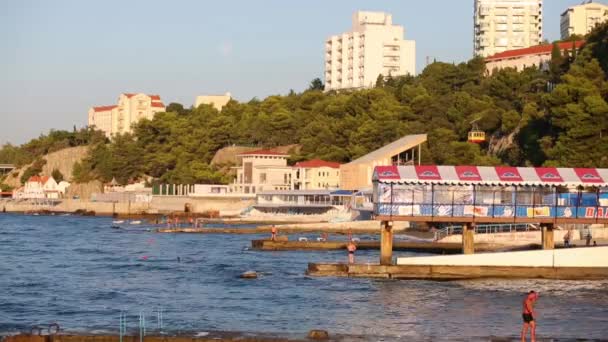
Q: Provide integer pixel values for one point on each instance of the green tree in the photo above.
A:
(316, 84)
(57, 175)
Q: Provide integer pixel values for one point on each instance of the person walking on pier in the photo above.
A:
(351, 252)
(588, 237)
(528, 317)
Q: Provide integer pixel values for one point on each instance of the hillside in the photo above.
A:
(62, 160)
(554, 116)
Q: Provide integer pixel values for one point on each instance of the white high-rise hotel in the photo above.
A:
(502, 25)
(374, 47)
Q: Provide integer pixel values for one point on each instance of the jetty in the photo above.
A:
(292, 229)
(409, 246)
(471, 195)
(584, 263)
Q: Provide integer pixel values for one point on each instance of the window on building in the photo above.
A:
(262, 178)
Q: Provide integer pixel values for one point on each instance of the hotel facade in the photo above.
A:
(374, 47)
(581, 19)
(131, 108)
(502, 25)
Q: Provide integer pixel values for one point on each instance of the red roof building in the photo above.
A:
(520, 59)
(131, 107)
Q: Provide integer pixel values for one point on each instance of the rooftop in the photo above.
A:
(396, 147)
(533, 50)
(491, 175)
(104, 108)
(317, 163)
(263, 153)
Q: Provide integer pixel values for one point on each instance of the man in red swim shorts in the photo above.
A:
(528, 315)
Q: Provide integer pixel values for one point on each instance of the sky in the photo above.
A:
(58, 58)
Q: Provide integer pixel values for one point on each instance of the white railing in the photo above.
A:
(486, 229)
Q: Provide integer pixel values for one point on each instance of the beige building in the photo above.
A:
(519, 59)
(118, 119)
(262, 170)
(502, 25)
(315, 174)
(374, 47)
(357, 175)
(217, 101)
(582, 19)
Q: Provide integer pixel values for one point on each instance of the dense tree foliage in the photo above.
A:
(550, 116)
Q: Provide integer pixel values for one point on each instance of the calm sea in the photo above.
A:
(81, 273)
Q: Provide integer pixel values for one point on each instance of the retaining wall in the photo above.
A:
(566, 257)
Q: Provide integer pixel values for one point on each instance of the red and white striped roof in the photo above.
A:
(491, 175)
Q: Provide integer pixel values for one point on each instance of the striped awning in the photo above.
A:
(491, 175)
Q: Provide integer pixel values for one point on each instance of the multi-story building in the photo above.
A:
(581, 19)
(262, 170)
(316, 174)
(519, 59)
(502, 25)
(217, 101)
(374, 47)
(118, 119)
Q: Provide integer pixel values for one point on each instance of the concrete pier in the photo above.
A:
(409, 246)
(548, 241)
(267, 230)
(438, 272)
(386, 243)
(567, 263)
(468, 238)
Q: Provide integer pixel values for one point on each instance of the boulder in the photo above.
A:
(318, 335)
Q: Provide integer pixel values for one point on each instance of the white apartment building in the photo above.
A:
(374, 47)
(118, 119)
(582, 19)
(262, 170)
(315, 174)
(502, 25)
(217, 101)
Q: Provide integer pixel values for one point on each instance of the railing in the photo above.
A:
(485, 229)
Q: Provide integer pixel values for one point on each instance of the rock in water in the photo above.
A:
(249, 275)
(318, 335)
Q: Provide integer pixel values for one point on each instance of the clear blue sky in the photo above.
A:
(60, 57)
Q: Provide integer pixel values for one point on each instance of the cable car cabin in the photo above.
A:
(477, 137)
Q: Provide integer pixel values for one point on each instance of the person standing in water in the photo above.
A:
(528, 316)
(273, 232)
(351, 252)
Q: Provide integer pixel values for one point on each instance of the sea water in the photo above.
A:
(82, 273)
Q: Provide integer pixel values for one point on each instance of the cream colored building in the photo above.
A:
(519, 59)
(118, 119)
(315, 174)
(217, 101)
(374, 47)
(502, 25)
(582, 19)
(357, 175)
(262, 170)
